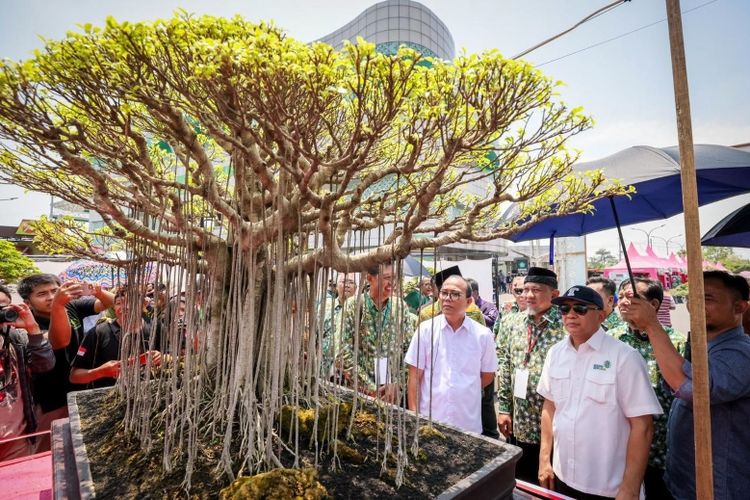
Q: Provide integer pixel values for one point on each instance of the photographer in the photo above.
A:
(97, 362)
(21, 354)
(61, 309)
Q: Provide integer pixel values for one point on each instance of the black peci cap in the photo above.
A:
(541, 275)
(445, 274)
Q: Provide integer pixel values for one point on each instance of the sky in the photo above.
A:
(616, 66)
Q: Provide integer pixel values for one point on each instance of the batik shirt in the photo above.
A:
(522, 344)
(613, 322)
(331, 335)
(658, 455)
(383, 333)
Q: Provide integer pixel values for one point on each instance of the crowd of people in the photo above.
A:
(591, 384)
(46, 352)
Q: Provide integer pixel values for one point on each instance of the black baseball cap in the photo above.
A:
(582, 294)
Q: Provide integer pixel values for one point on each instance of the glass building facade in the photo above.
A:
(393, 23)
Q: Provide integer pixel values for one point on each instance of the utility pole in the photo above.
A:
(701, 403)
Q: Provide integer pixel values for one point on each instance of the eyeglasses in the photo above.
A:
(579, 309)
(518, 291)
(452, 294)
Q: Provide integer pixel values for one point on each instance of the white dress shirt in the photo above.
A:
(595, 390)
(451, 388)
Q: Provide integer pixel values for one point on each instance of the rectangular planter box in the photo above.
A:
(72, 473)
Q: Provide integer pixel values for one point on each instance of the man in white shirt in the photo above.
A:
(598, 407)
(450, 360)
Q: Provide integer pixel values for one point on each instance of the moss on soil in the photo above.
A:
(299, 484)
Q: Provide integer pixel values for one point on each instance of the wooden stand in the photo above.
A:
(701, 396)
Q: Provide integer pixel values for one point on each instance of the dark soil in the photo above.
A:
(121, 470)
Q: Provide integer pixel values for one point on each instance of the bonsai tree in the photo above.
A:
(227, 149)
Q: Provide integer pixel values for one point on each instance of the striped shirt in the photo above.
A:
(663, 313)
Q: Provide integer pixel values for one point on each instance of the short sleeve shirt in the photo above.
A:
(452, 360)
(101, 344)
(595, 390)
(51, 388)
(378, 334)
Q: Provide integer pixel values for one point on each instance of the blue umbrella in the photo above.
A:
(732, 231)
(412, 267)
(721, 171)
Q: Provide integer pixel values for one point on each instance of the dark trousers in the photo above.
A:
(654, 485)
(527, 468)
(563, 488)
(489, 419)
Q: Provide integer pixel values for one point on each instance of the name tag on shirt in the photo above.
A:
(521, 385)
(381, 371)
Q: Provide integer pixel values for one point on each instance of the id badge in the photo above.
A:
(381, 371)
(521, 385)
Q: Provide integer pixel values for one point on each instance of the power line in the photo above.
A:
(622, 35)
(594, 15)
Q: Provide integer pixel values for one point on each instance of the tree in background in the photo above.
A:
(602, 258)
(727, 257)
(13, 264)
(222, 148)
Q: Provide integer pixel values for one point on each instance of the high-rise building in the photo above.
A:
(388, 25)
(393, 23)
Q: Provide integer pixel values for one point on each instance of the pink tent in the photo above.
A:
(676, 264)
(718, 266)
(640, 264)
(665, 263)
(632, 251)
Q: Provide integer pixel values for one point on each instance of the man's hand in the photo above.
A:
(546, 475)
(388, 393)
(25, 319)
(109, 369)
(505, 423)
(639, 313)
(70, 290)
(625, 494)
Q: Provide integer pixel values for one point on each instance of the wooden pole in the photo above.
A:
(701, 401)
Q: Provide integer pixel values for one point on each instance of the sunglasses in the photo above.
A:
(579, 309)
(518, 291)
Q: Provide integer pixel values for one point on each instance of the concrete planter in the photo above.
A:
(72, 474)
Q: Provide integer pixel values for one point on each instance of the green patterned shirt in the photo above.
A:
(613, 322)
(331, 339)
(381, 334)
(512, 347)
(658, 454)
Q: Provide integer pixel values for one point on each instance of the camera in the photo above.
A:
(87, 289)
(8, 314)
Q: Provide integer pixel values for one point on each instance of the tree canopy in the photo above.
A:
(601, 259)
(224, 147)
(161, 127)
(13, 264)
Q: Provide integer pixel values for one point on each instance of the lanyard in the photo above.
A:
(531, 341)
